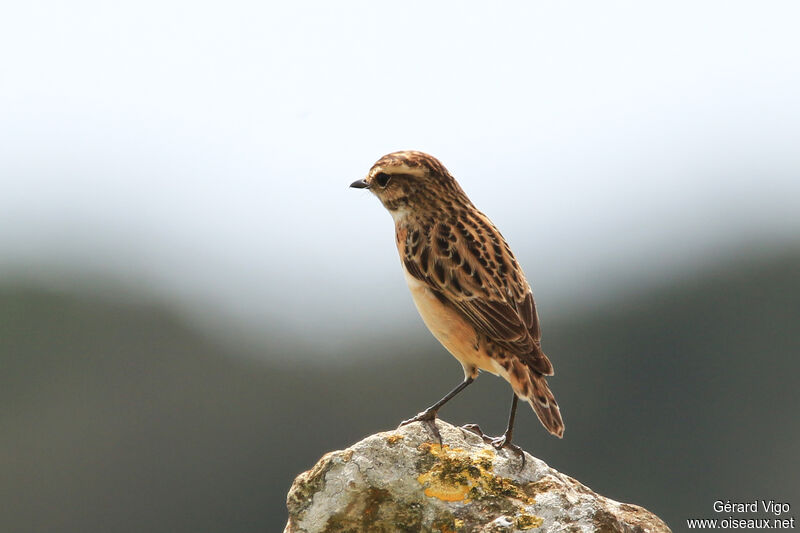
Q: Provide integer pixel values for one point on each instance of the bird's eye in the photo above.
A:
(382, 179)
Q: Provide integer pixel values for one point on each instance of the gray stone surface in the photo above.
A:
(402, 481)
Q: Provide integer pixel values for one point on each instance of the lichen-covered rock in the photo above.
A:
(402, 481)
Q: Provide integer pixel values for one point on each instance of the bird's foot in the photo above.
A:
(497, 443)
(505, 442)
(475, 428)
(428, 418)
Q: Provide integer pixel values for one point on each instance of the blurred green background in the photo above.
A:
(119, 416)
(194, 307)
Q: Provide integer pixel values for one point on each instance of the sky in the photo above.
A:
(203, 150)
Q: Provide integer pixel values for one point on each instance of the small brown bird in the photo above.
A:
(466, 284)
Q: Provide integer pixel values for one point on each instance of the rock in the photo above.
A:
(402, 481)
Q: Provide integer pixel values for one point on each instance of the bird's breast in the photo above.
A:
(449, 327)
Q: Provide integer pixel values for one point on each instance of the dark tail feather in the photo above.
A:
(544, 403)
(531, 386)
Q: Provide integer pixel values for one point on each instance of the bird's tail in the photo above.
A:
(531, 386)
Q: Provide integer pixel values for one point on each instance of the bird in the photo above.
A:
(466, 284)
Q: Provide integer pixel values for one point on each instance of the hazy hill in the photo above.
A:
(120, 417)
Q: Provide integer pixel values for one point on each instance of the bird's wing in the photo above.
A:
(467, 262)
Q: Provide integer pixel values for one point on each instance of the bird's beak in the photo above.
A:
(360, 184)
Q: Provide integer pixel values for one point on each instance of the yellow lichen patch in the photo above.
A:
(487, 453)
(528, 521)
(486, 456)
(451, 476)
(445, 492)
(457, 475)
(392, 440)
(438, 450)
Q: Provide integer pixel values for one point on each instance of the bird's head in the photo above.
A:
(411, 181)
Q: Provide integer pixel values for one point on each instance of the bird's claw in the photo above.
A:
(428, 418)
(498, 443)
(476, 429)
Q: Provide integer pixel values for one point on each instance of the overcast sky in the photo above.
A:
(205, 148)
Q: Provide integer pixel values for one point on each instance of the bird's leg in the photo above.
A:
(428, 416)
(505, 440)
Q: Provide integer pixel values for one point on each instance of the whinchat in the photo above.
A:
(466, 283)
